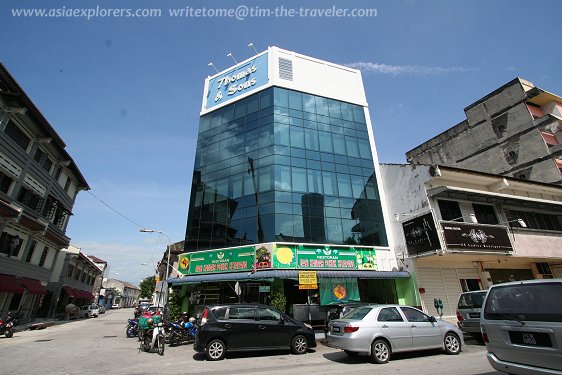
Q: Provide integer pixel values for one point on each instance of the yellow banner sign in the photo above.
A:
(308, 277)
(308, 286)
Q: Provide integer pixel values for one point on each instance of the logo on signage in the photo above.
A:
(478, 236)
(340, 292)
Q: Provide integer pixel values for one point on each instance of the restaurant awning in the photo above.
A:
(9, 284)
(33, 286)
(69, 291)
(286, 274)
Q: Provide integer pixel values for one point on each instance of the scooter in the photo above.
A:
(153, 337)
(133, 328)
(7, 325)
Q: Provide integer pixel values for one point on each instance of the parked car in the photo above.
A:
(249, 327)
(115, 306)
(101, 309)
(521, 324)
(88, 311)
(381, 330)
(336, 311)
(468, 312)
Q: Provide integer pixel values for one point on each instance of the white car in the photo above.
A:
(381, 330)
(89, 311)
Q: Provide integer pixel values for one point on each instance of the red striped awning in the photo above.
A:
(9, 284)
(33, 286)
(69, 291)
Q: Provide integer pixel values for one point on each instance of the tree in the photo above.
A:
(147, 287)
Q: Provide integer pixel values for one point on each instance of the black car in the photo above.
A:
(248, 327)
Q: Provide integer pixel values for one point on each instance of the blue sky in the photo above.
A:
(125, 93)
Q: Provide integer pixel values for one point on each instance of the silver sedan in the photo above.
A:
(380, 330)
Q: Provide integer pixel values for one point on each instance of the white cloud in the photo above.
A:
(407, 69)
(126, 259)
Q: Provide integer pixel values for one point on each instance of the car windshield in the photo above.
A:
(530, 302)
(471, 300)
(358, 313)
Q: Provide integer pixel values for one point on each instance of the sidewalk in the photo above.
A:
(41, 323)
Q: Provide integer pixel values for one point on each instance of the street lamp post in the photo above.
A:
(146, 230)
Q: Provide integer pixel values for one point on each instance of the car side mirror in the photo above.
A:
(432, 319)
(282, 320)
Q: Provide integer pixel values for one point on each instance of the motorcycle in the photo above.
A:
(182, 332)
(151, 333)
(153, 338)
(7, 325)
(133, 328)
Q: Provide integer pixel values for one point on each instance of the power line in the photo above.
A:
(114, 210)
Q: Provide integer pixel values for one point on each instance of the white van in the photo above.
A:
(521, 324)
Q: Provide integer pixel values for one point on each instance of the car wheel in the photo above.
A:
(452, 343)
(299, 345)
(351, 354)
(215, 350)
(380, 351)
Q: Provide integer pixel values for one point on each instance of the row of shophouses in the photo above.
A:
(40, 271)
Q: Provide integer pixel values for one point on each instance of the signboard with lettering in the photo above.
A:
(308, 277)
(277, 256)
(475, 237)
(223, 260)
(237, 81)
(326, 257)
(421, 235)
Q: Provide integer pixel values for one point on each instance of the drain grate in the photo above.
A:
(108, 337)
(45, 340)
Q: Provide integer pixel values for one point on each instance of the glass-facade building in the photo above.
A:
(284, 166)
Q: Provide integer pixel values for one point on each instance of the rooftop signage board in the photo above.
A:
(240, 80)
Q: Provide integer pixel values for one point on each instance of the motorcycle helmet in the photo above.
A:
(192, 320)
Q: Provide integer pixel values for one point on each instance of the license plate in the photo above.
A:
(474, 315)
(530, 338)
(335, 329)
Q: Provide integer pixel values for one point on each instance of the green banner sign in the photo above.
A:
(223, 260)
(285, 256)
(277, 256)
(366, 259)
(326, 257)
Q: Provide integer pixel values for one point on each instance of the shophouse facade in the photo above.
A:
(39, 183)
(286, 180)
(458, 230)
(73, 280)
(515, 131)
(120, 292)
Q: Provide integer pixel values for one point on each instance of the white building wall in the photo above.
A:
(310, 75)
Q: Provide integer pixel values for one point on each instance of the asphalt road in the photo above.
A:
(99, 346)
